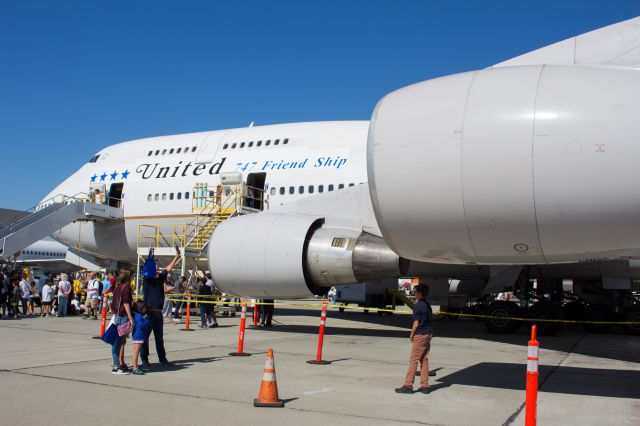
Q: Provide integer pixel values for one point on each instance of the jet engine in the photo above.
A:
(513, 165)
(277, 255)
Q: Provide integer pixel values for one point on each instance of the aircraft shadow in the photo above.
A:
(573, 338)
(567, 380)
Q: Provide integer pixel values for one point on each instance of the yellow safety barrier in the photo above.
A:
(437, 315)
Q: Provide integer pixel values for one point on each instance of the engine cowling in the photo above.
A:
(522, 165)
(278, 255)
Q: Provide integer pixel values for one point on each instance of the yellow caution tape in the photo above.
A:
(437, 315)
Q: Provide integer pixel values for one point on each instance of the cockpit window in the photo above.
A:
(95, 158)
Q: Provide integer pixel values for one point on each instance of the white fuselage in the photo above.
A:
(158, 174)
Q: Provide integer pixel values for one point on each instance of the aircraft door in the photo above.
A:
(115, 194)
(254, 192)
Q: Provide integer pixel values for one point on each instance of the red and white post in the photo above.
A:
(187, 321)
(323, 319)
(243, 323)
(103, 315)
(532, 380)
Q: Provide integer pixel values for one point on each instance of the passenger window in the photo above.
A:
(352, 184)
(150, 153)
(178, 150)
(292, 190)
(156, 197)
(171, 151)
(157, 151)
(341, 186)
(164, 196)
(193, 149)
(186, 195)
(310, 189)
(242, 145)
(186, 149)
(250, 144)
(149, 197)
(320, 188)
(286, 141)
(273, 191)
(225, 146)
(179, 195)
(259, 143)
(301, 189)
(234, 146)
(276, 142)
(267, 143)
(330, 188)
(171, 195)
(282, 190)
(164, 151)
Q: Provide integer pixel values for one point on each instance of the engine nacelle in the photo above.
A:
(523, 165)
(278, 255)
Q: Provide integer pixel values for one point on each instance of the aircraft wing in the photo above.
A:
(617, 44)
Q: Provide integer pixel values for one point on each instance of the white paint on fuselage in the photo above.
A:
(331, 154)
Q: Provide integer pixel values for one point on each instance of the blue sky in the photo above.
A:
(76, 76)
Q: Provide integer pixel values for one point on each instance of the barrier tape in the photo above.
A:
(441, 314)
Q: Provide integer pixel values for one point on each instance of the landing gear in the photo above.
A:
(545, 310)
(632, 314)
(501, 314)
(597, 312)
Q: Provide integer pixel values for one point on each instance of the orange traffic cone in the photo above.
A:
(268, 396)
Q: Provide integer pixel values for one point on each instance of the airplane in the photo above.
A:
(523, 170)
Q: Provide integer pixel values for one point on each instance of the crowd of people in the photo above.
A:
(162, 299)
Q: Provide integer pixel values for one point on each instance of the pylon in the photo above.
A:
(532, 380)
(268, 396)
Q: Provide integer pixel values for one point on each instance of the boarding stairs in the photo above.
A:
(51, 215)
(211, 207)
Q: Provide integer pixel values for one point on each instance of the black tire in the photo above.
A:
(598, 312)
(381, 313)
(632, 314)
(340, 309)
(478, 310)
(501, 313)
(545, 310)
(366, 311)
(575, 311)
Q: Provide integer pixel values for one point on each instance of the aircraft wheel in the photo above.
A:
(544, 310)
(574, 311)
(632, 314)
(597, 312)
(501, 313)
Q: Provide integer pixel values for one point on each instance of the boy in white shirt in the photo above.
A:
(47, 297)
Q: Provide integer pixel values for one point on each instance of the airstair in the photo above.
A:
(210, 206)
(51, 215)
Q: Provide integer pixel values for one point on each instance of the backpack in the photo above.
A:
(100, 287)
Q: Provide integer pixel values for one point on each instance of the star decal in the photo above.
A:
(94, 177)
(103, 176)
(114, 175)
(125, 174)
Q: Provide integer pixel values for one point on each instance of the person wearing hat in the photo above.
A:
(153, 289)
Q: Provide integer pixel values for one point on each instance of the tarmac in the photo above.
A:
(53, 372)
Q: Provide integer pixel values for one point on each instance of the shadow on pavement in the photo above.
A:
(573, 338)
(567, 380)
